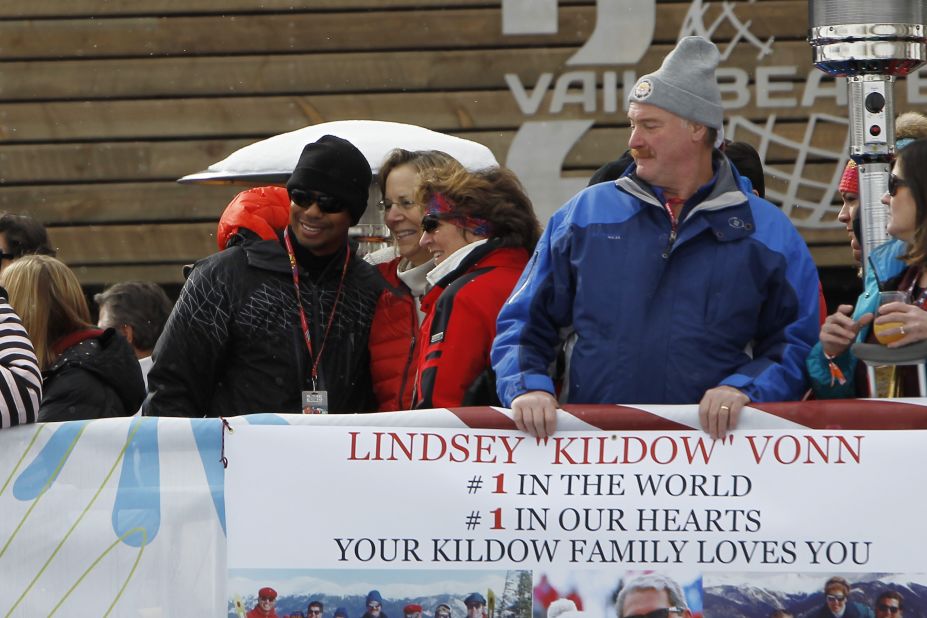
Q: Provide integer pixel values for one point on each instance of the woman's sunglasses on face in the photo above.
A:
(430, 223)
(895, 183)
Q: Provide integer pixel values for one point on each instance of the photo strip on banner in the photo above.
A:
(428, 517)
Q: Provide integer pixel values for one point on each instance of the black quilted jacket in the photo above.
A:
(98, 377)
(234, 345)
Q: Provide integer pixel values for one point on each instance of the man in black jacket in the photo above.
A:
(278, 325)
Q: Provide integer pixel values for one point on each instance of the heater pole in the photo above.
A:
(870, 43)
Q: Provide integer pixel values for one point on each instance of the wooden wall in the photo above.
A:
(105, 103)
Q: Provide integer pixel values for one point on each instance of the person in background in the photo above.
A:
(315, 609)
(20, 377)
(648, 594)
(480, 229)
(476, 605)
(848, 189)
(832, 367)
(889, 604)
(374, 605)
(138, 311)
(258, 213)
(837, 602)
(612, 170)
(266, 605)
(393, 343)
(443, 610)
(564, 608)
(21, 235)
(279, 325)
(748, 163)
(340, 612)
(412, 610)
(680, 287)
(87, 372)
(909, 126)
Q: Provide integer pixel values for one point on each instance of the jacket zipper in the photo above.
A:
(674, 227)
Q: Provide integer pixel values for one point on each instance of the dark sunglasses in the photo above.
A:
(327, 203)
(316, 612)
(894, 183)
(430, 223)
(891, 609)
(659, 613)
(373, 606)
(7, 256)
(839, 598)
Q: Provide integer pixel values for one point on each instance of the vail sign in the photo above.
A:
(594, 79)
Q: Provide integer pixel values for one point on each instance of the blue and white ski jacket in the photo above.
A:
(659, 313)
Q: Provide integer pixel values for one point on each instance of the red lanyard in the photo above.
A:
(299, 303)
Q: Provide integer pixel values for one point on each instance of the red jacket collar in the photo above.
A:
(74, 338)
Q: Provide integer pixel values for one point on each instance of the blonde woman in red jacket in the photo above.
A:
(480, 229)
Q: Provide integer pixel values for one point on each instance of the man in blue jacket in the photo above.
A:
(673, 285)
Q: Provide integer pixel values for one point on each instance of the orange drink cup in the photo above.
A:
(882, 337)
(879, 330)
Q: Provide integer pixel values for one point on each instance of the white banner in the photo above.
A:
(114, 517)
(394, 507)
(127, 517)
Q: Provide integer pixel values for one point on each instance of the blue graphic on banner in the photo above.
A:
(208, 435)
(44, 469)
(138, 497)
(266, 419)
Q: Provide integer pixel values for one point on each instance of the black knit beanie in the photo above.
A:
(334, 166)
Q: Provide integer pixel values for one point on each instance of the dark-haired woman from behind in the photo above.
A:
(480, 228)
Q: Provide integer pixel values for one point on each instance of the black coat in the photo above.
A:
(99, 377)
(234, 344)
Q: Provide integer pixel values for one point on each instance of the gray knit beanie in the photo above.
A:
(685, 84)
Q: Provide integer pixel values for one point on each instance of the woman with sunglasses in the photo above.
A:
(87, 372)
(480, 229)
(834, 371)
(909, 126)
(837, 602)
(398, 315)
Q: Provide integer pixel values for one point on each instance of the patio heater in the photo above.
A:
(870, 42)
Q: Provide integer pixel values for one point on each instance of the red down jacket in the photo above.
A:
(393, 342)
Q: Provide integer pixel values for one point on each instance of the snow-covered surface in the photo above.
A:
(273, 159)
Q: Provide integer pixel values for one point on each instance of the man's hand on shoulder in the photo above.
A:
(535, 413)
(719, 410)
